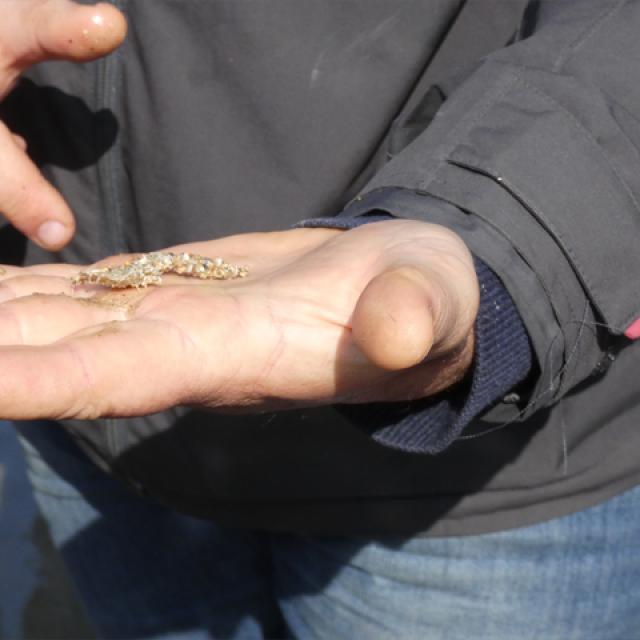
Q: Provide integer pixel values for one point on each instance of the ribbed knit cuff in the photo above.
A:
(503, 358)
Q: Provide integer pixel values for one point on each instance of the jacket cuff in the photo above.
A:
(503, 357)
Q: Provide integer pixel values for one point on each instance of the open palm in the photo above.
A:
(381, 312)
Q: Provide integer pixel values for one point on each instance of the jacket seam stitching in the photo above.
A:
(540, 280)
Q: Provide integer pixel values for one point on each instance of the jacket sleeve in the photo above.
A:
(538, 152)
(502, 357)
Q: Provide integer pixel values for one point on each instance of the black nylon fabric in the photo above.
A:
(228, 116)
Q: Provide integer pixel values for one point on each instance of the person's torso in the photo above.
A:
(229, 116)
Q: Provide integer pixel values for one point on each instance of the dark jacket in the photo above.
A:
(228, 116)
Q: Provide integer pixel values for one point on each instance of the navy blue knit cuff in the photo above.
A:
(503, 358)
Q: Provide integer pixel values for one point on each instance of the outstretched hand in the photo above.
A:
(33, 31)
(383, 312)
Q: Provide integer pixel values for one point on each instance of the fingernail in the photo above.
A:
(52, 234)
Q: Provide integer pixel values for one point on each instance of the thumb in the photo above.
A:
(405, 314)
(44, 29)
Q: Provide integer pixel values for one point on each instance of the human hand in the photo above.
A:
(383, 312)
(32, 31)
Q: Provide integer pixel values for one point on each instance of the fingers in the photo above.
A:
(42, 319)
(28, 201)
(37, 30)
(25, 285)
(56, 270)
(32, 31)
(112, 369)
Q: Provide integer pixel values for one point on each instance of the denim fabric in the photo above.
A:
(142, 570)
(145, 572)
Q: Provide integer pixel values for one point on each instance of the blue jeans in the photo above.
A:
(146, 572)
